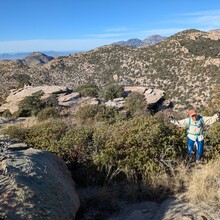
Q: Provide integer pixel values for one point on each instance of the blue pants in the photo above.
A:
(191, 146)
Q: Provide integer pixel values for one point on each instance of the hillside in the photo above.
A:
(185, 65)
(36, 58)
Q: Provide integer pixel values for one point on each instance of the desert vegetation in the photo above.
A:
(184, 64)
(135, 153)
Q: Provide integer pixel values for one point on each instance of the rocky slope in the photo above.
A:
(185, 66)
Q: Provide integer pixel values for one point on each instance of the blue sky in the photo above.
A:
(67, 25)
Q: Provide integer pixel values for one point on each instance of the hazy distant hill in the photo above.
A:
(154, 39)
(131, 42)
(186, 66)
(15, 56)
(36, 58)
(151, 40)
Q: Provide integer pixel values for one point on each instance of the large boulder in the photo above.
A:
(69, 99)
(35, 184)
(30, 90)
(152, 96)
(16, 96)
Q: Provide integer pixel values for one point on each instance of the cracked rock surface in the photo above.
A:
(34, 184)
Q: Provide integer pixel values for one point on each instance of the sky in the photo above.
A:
(81, 25)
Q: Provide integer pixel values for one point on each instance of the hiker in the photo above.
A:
(195, 132)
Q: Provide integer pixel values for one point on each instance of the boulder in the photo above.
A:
(29, 90)
(69, 97)
(68, 104)
(89, 101)
(94, 102)
(68, 100)
(153, 96)
(11, 106)
(118, 103)
(16, 96)
(35, 184)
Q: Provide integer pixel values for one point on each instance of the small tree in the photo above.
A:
(87, 112)
(49, 112)
(31, 104)
(89, 89)
(136, 104)
(51, 101)
(23, 79)
(112, 91)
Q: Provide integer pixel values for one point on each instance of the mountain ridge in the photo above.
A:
(185, 65)
(135, 42)
(22, 55)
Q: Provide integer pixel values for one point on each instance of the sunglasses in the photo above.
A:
(193, 116)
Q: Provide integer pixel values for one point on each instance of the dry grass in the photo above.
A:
(26, 123)
(204, 184)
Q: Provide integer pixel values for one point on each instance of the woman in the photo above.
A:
(195, 132)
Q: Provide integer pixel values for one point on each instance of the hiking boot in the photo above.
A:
(198, 162)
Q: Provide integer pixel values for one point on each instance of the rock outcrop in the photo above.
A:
(16, 96)
(35, 184)
(68, 100)
(118, 103)
(152, 96)
(170, 209)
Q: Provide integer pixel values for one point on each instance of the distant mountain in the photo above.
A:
(15, 56)
(151, 40)
(36, 58)
(132, 43)
(186, 66)
(154, 39)
(215, 30)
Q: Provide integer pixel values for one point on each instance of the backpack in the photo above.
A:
(200, 124)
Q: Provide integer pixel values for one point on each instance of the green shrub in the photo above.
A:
(23, 79)
(16, 132)
(2, 101)
(22, 113)
(76, 145)
(109, 114)
(31, 105)
(137, 148)
(89, 89)
(99, 113)
(212, 141)
(112, 91)
(47, 135)
(46, 113)
(87, 112)
(136, 104)
(51, 101)
(6, 114)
